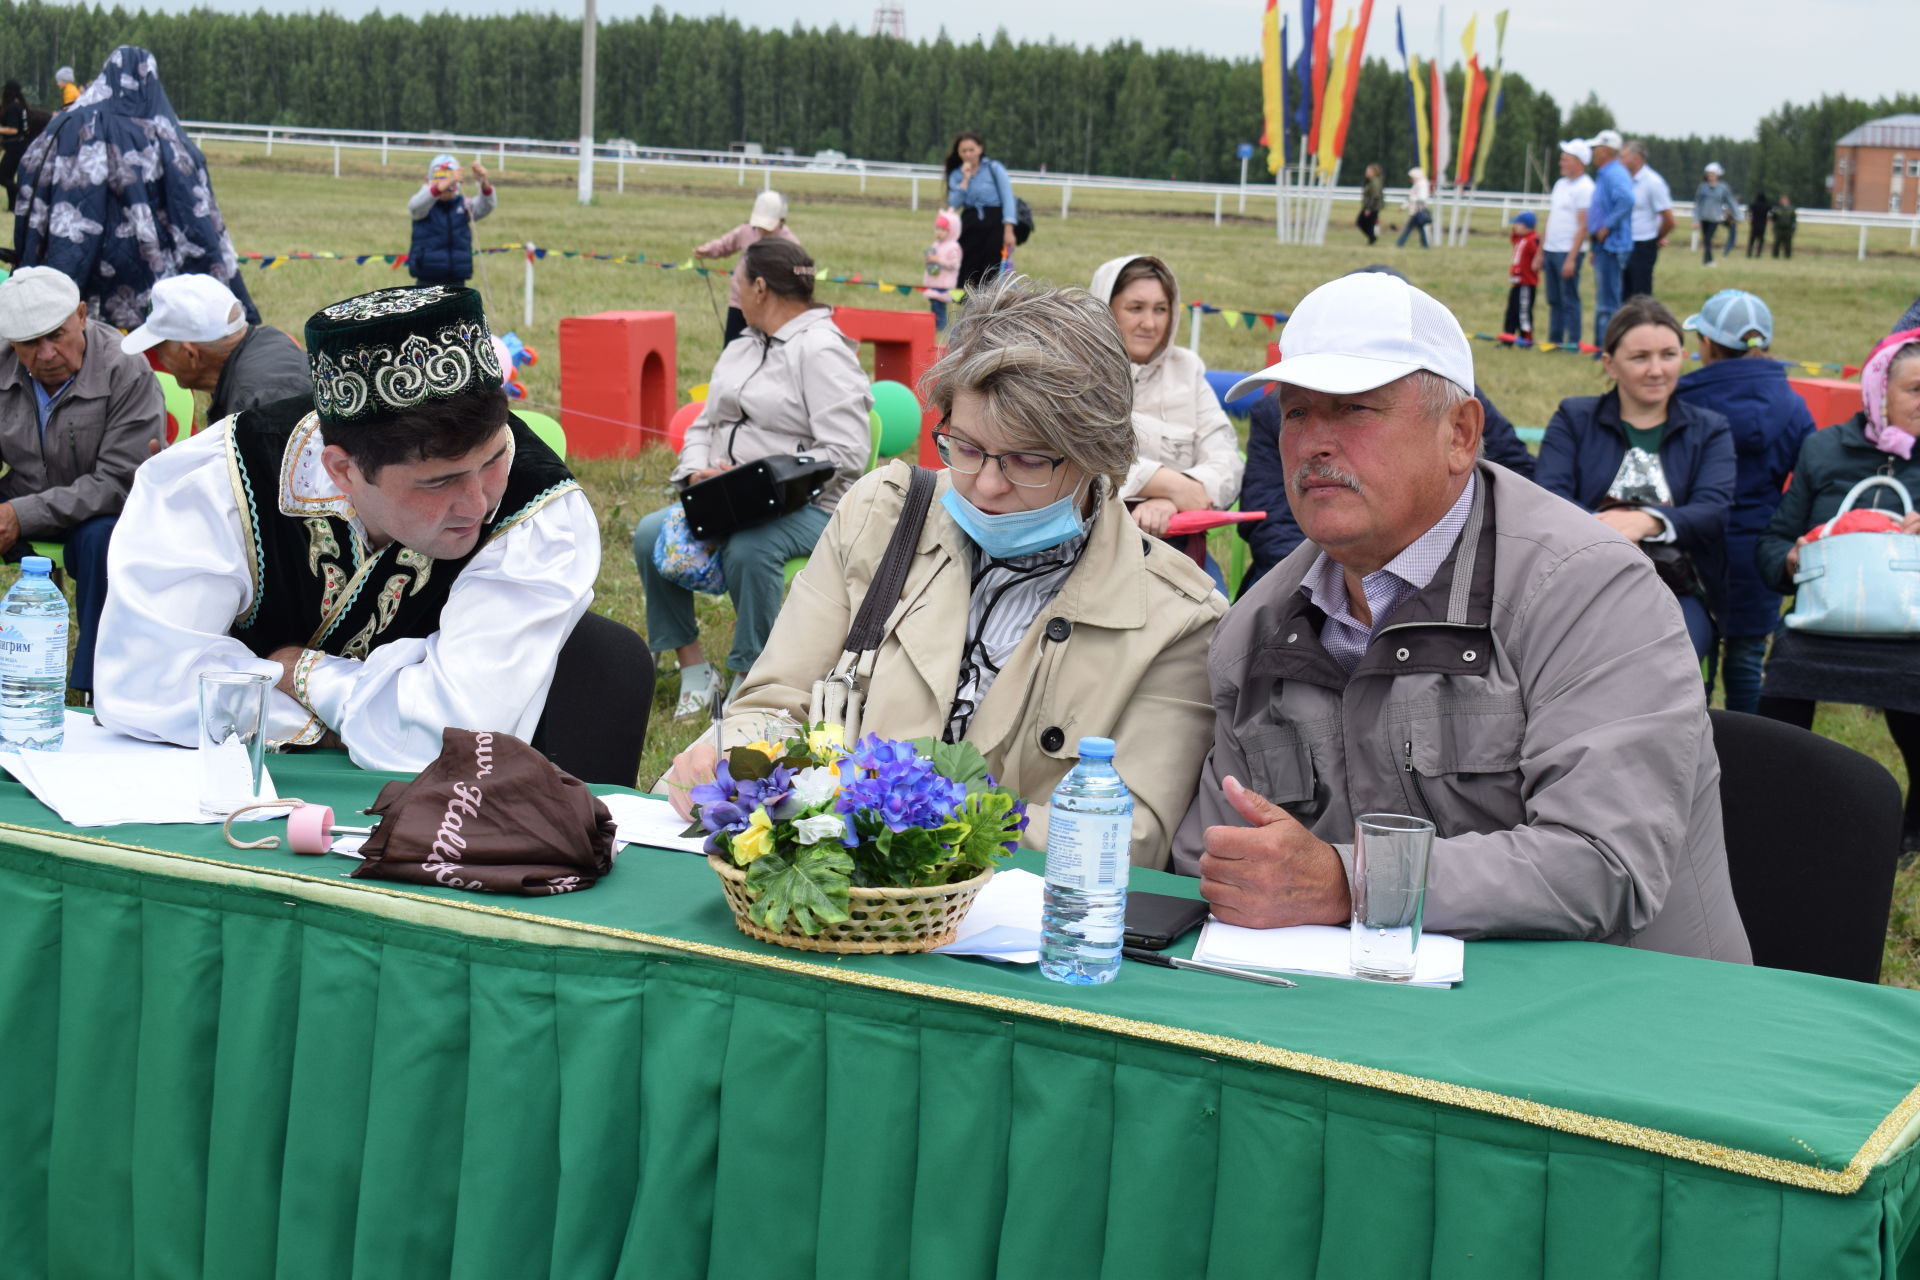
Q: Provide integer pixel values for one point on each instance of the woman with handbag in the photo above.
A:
(1653, 468)
(1027, 610)
(978, 186)
(1806, 667)
(1189, 457)
(791, 384)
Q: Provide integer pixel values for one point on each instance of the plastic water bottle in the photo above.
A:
(33, 660)
(1085, 913)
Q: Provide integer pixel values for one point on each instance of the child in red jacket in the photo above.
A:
(1523, 279)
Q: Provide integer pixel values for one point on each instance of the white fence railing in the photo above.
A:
(622, 155)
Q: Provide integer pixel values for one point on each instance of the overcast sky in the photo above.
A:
(1664, 67)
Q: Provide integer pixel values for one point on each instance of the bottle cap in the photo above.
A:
(1096, 748)
(36, 564)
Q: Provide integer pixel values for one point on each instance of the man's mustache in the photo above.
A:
(1321, 471)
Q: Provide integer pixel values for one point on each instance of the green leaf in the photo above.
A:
(748, 765)
(960, 761)
(901, 859)
(693, 829)
(989, 825)
(808, 884)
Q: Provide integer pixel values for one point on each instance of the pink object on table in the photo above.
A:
(310, 828)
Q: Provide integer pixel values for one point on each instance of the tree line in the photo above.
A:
(672, 81)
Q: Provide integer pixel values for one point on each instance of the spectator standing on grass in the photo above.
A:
(1785, 219)
(769, 218)
(1712, 205)
(1740, 381)
(1652, 218)
(13, 136)
(1373, 197)
(978, 186)
(443, 218)
(1523, 277)
(1564, 243)
(1757, 224)
(1418, 217)
(1610, 227)
(942, 266)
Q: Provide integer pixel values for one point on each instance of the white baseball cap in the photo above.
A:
(34, 301)
(1363, 331)
(1713, 167)
(190, 308)
(769, 210)
(1579, 150)
(1606, 138)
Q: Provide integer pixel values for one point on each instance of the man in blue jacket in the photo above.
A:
(1738, 379)
(442, 249)
(1609, 227)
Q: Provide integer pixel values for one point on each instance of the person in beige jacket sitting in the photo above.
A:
(1189, 457)
(1034, 611)
(790, 384)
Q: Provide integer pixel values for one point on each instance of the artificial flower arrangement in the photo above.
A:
(813, 823)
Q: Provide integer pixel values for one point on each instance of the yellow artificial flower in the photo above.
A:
(771, 750)
(756, 841)
(826, 740)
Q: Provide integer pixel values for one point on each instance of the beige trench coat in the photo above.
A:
(1121, 652)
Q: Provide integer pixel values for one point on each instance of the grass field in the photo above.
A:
(1828, 307)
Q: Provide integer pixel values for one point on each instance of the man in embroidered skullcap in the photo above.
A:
(77, 416)
(399, 552)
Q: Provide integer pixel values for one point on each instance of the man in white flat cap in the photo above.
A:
(1453, 643)
(77, 416)
(198, 331)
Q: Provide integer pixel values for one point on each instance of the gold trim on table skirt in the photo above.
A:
(1842, 1181)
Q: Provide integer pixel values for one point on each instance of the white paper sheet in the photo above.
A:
(1004, 923)
(1321, 949)
(129, 781)
(645, 820)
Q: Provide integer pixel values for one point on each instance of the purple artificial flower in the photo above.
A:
(897, 787)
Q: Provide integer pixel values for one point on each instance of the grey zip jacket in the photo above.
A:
(1539, 701)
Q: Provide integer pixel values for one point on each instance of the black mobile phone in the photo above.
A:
(1156, 920)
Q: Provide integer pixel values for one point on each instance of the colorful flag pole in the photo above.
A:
(1416, 93)
(1332, 122)
(1493, 97)
(1273, 88)
(1442, 116)
(1322, 65)
(1357, 60)
(1303, 78)
(1470, 95)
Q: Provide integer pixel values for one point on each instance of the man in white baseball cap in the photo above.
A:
(1454, 643)
(198, 331)
(769, 218)
(1610, 228)
(77, 416)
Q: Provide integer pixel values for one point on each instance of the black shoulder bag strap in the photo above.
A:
(838, 695)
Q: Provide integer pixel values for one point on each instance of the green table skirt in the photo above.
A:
(237, 1073)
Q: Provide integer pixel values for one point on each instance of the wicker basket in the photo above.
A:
(879, 920)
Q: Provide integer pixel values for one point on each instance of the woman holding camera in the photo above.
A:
(1656, 470)
(790, 384)
(1033, 610)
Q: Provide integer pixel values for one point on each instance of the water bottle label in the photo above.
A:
(1088, 851)
(33, 647)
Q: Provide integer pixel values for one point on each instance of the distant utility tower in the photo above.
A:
(890, 20)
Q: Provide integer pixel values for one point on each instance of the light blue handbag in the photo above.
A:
(1864, 585)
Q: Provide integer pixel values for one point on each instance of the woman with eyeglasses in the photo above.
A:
(1034, 611)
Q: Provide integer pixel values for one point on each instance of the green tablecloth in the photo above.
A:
(239, 1064)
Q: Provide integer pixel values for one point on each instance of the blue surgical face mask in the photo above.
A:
(1017, 533)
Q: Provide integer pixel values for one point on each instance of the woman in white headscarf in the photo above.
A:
(1189, 457)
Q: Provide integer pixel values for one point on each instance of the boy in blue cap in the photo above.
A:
(1523, 277)
(1739, 379)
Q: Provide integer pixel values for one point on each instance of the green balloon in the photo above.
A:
(546, 428)
(899, 411)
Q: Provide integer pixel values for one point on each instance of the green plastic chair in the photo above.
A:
(179, 402)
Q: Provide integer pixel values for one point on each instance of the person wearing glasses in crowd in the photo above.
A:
(1034, 610)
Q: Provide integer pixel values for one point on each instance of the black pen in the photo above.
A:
(1226, 971)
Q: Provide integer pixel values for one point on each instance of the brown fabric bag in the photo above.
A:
(493, 815)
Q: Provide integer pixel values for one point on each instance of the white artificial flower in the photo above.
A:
(815, 786)
(823, 826)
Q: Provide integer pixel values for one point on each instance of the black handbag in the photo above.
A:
(753, 493)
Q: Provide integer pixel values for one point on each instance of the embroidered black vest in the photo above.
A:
(310, 586)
